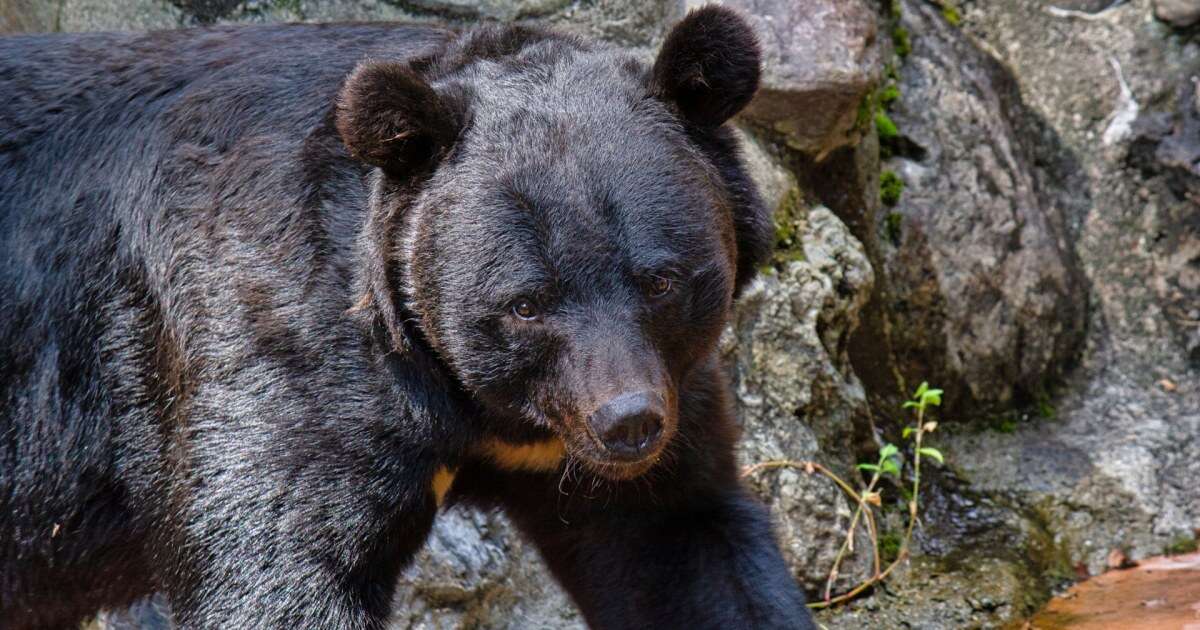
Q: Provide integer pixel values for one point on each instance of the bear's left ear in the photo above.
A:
(708, 66)
(389, 116)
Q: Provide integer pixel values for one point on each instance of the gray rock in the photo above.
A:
(821, 59)
(117, 15)
(27, 16)
(797, 398)
(505, 10)
(987, 298)
(1178, 12)
(639, 24)
(1087, 6)
(774, 182)
(1110, 467)
(1167, 146)
(475, 571)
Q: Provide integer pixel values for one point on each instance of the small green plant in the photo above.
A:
(890, 188)
(889, 465)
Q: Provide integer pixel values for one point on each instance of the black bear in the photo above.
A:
(271, 295)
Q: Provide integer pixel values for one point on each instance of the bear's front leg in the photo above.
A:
(292, 524)
(710, 564)
(683, 546)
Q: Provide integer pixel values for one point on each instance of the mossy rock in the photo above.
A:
(890, 188)
(791, 216)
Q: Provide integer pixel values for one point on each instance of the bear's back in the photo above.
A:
(144, 181)
(75, 102)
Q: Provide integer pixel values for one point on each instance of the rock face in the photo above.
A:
(821, 61)
(1107, 467)
(987, 298)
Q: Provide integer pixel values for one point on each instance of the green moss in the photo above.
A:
(890, 188)
(885, 127)
(1181, 545)
(894, 8)
(951, 13)
(790, 216)
(891, 227)
(889, 95)
(901, 42)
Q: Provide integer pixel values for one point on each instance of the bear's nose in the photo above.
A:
(629, 425)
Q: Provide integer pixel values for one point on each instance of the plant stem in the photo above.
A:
(912, 504)
(872, 531)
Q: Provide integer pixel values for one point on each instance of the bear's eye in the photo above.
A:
(525, 309)
(658, 286)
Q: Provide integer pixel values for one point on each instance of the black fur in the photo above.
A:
(390, 117)
(708, 66)
(233, 356)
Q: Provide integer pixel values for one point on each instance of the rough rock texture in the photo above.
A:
(987, 299)
(1110, 467)
(821, 60)
(1178, 12)
(797, 397)
(475, 571)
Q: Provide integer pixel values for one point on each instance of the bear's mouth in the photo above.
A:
(617, 470)
(591, 452)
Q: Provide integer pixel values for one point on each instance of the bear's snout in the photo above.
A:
(630, 426)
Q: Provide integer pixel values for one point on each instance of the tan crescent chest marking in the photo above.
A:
(443, 478)
(544, 456)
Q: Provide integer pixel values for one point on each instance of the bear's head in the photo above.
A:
(563, 226)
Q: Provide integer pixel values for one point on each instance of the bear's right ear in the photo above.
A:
(390, 117)
(708, 66)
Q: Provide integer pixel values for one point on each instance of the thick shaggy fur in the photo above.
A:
(255, 319)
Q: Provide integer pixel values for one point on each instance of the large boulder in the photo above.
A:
(986, 295)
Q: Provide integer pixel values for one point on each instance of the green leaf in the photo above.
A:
(932, 453)
(911, 403)
(907, 432)
(890, 467)
(870, 467)
(888, 450)
(932, 397)
(921, 390)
